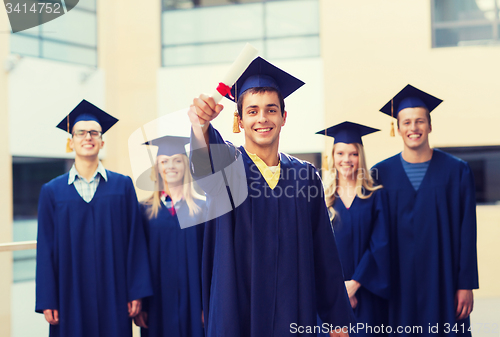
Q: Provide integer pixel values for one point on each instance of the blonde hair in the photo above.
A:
(364, 182)
(188, 191)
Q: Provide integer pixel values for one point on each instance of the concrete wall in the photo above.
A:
(6, 183)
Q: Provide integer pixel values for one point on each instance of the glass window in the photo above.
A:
(484, 162)
(465, 22)
(28, 176)
(279, 29)
(196, 26)
(71, 37)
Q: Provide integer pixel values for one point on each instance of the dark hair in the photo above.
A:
(260, 90)
(426, 112)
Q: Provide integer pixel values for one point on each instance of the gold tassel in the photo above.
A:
(392, 133)
(236, 126)
(68, 148)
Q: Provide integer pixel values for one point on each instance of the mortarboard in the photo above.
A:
(347, 132)
(261, 73)
(169, 145)
(409, 97)
(86, 111)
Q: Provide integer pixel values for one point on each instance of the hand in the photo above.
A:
(339, 333)
(134, 307)
(352, 286)
(354, 301)
(203, 110)
(464, 301)
(141, 319)
(51, 316)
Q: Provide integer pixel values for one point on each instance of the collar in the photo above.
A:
(270, 177)
(73, 173)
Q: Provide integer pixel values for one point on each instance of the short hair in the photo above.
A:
(259, 90)
(427, 112)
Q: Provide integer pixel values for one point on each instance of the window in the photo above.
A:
(279, 29)
(484, 162)
(28, 177)
(465, 22)
(71, 37)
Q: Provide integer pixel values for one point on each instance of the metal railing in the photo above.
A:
(21, 245)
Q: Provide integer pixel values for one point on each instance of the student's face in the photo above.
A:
(171, 169)
(346, 160)
(414, 127)
(86, 146)
(261, 119)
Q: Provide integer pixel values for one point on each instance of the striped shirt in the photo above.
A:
(86, 189)
(415, 171)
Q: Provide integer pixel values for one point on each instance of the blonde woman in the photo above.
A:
(357, 211)
(173, 217)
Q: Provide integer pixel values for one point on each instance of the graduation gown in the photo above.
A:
(175, 308)
(362, 236)
(433, 242)
(91, 257)
(271, 264)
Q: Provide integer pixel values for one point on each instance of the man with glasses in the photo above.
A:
(92, 263)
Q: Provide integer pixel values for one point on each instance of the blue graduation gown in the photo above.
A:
(91, 257)
(433, 241)
(175, 308)
(362, 236)
(272, 262)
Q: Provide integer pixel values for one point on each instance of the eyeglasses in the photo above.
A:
(83, 133)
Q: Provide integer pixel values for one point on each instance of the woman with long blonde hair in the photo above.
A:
(357, 211)
(174, 223)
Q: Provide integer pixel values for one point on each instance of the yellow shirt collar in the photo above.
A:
(270, 177)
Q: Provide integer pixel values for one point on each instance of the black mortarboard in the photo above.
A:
(261, 73)
(410, 97)
(86, 111)
(169, 145)
(347, 132)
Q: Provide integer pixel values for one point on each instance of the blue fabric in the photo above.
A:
(433, 241)
(272, 261)
(415, 171)
(175, 254)
(362, 236)
(411, 102)
(91, 257)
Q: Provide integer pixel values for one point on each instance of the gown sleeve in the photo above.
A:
(46, 275)
(138, 269)
(373, 269)
(468, 273)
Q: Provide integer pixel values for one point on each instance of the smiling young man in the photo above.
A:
(270, 265)
(433, 225)
(92, 264)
